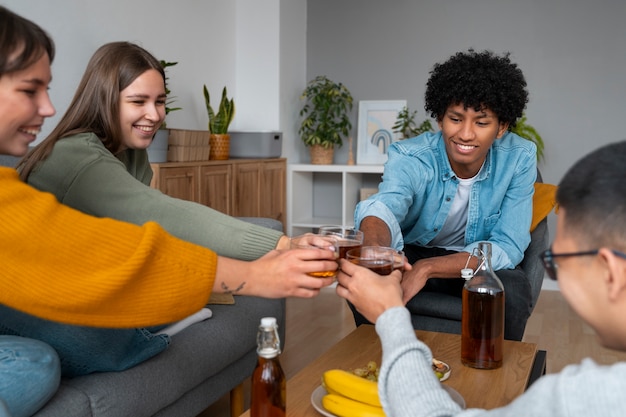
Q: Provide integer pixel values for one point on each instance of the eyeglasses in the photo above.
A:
(548, 256)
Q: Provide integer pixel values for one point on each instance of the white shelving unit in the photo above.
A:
(325, 194)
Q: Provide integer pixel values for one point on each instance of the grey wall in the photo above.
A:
(573, 53)
(233, 43)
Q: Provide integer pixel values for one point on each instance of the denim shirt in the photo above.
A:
(419, 186)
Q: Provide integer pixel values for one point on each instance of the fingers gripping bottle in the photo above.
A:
(482, 322)
(268, 379)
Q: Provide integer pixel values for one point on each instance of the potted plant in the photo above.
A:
(326, 118)
(219, 141)
(523, 129)
(406, 125)
(157, 151)
(170, 99)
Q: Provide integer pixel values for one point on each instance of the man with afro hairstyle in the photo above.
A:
(442, 193)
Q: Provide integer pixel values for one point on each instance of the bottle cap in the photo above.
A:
(467, 273)
(268, 322)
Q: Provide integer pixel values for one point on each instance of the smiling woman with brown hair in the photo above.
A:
(95, 161)
(62, 265)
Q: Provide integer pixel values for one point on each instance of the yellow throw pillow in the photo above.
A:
(544, 200)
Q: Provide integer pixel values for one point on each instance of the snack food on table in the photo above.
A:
(347, 384)
(345, 407)
(440, 369)
(350, 395)
(354, 393)
(371, 370)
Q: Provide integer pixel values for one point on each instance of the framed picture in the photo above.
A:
(375, 133)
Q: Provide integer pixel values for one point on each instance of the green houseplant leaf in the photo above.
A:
(326, 119)
(170, 100)
(523, 129)
(406, 126)
(219, 122)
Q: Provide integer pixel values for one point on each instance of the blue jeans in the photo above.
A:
(30, 374)
(84, 350)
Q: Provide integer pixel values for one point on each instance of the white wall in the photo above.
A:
(573, 53)
(257, 66)
(216, 42)
(293, 24)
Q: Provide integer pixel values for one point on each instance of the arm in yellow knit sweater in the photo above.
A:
(62, 265)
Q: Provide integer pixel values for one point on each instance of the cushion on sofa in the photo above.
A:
(544, 200)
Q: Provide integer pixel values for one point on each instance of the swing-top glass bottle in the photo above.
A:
(268, 397)
(482, 323)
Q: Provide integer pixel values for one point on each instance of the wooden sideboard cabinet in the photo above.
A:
(238, 187)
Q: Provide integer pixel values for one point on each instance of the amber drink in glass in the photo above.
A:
(317, 241)
(482, 321)
(347, 237)
(379, 259)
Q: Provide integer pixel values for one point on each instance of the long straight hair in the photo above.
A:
(95, 106)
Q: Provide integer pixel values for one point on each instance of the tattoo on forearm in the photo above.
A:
(236, 290)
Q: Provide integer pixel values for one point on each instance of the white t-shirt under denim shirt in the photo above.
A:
(452, 234)
(419, 186)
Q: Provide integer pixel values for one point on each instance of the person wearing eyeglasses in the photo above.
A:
(588, 256)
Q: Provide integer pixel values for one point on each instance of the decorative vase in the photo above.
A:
(321, 155)
(219, 145)
(157, 151)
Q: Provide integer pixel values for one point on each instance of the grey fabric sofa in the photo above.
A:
(8, 161)
(203, 363)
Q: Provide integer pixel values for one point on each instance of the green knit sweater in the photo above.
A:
(83, 174)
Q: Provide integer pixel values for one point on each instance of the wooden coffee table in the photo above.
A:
(480, 388)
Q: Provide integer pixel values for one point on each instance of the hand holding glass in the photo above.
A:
(315, 241)
(379, 259)
(347, 237)
(399, 260)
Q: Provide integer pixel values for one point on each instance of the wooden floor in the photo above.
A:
(314, 325)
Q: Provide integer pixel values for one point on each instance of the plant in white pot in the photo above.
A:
(326, 118)
(157, 151)
(219, 139)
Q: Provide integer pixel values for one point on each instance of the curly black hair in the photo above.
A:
(477, 80)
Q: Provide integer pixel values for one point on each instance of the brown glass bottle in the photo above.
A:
(482, 322)
(268, 397)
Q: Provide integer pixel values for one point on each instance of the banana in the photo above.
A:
(337, 381)
(345, 407)
(329, 390)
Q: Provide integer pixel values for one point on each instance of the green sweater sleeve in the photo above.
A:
(83, 174)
